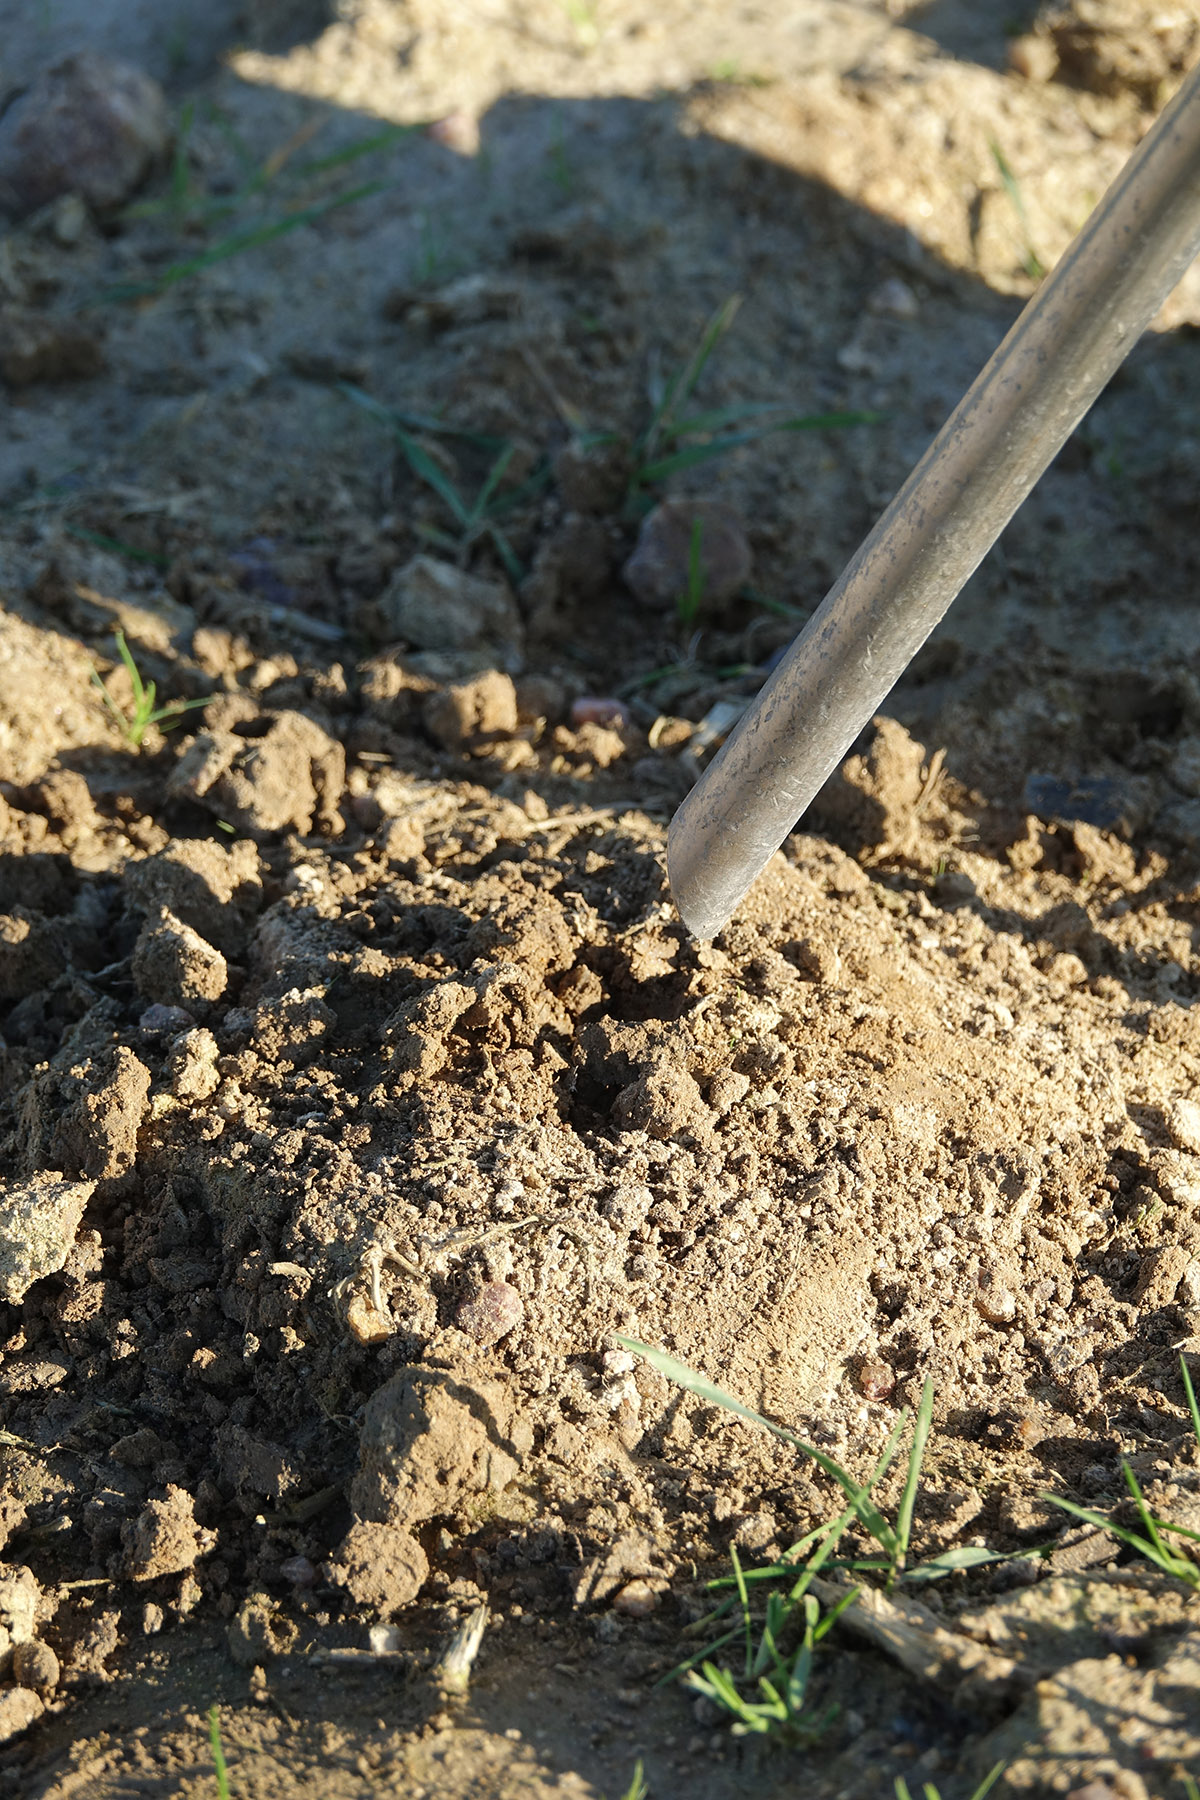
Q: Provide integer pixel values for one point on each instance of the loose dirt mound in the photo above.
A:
(359, 1084)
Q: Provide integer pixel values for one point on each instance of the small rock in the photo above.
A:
(90, 125)
(39, 1219)
(260, 1631)
(434, 606)
(299, 1571)
(165, 1021)
(637, 1600)
(153, 1619)
(1183, 1125)
(19, 1707)
(35, 346)
(492, 1313)
(894, 299)
(175, 966)
(35, 1666)
(380, 1566)
(590, 710)
(658, 571)
(605, 1575)
(876, 1380)
(995, 1302)
(473, 715)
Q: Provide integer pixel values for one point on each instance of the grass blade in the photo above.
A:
(681, 385)
(424, 467)
(218, 1754)
(1190, 1391)
(495, 476)
(706, 1390)
(916, 1455)
(240, 241)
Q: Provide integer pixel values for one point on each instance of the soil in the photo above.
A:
(361, 1085)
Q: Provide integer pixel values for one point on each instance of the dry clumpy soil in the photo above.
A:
(359, 1082)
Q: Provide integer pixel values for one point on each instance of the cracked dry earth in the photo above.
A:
(359, 1086)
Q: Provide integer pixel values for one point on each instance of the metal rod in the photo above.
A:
(1077, 329)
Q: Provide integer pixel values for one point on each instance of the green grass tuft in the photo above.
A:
(136, 723)
(218, 1755)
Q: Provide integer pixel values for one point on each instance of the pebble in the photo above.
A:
(492, 1313)
(995, 1302)
(299, 1571)
(590, 710)
(159, 1020)
(895, 299)
(637, 1600)
(659, 568)
(876, 1380)
(90, 125)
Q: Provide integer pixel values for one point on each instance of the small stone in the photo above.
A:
(637, 1600)
(19, 1707)
(152, 1619)
(591, 710)
(175, 966)
(37, 346)
(876, 1380)
(492, 1313)
(434, 606)
(299, 1571)
(165, 1021)
(894, 299)
(995, 1302)
(90, 125)
(660, 568)
(366, 1322)
(35, 1666)
(1183, 1125)
(39, 1219)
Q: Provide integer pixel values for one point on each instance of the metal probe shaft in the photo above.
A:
(1074, 333)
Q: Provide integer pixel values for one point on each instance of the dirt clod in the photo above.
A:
(164, 1539)
(174, 966)
(34, 1665)
(90, 125)
(434, 606)
(39, 1218)
(380, 1566)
